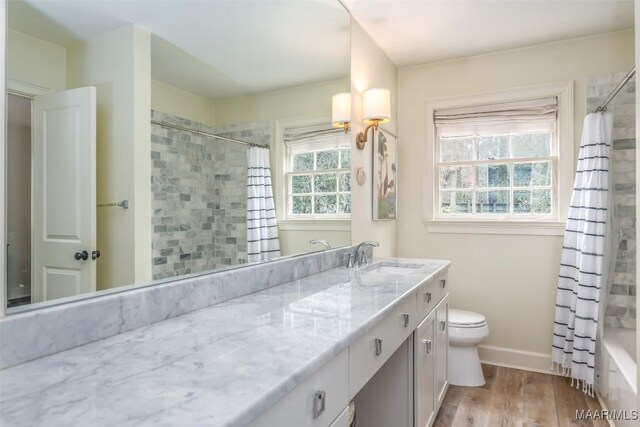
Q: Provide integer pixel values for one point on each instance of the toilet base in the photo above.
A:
(464, 366)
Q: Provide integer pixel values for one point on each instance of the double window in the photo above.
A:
(497, 161)
(497, 174)
(317, 173)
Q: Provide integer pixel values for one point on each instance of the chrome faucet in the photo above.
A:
(359, 254)
(321, 242)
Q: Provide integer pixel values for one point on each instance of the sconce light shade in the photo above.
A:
(376, 106)
(341, 110)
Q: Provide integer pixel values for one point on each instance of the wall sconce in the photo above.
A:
(341, 111)
(376, 105)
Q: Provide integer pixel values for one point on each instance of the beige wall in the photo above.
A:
(509, 278)
(370, 68)
(36, 62)
(118, 65)
(297, 241)
(281, 106)
(172, 100)
(298, 101)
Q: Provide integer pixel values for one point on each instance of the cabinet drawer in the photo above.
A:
(373, 349)
(297, 407)
(431, 293)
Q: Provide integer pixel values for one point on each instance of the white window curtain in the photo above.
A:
(262, 227)
(583, 267)
(517, 116)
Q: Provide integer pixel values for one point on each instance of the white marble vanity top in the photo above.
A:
(220, 366)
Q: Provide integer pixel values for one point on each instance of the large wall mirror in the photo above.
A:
(141, 137)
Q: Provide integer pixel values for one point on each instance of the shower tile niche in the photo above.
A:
(199, 201)
(621, 307)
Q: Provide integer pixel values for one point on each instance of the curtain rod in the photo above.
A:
(210, 135)
(624, 81)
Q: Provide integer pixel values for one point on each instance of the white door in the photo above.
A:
(64, 194)
(424, 365)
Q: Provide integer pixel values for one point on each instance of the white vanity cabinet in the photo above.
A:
(425, 371)
(442, 350)
(431, 346)
(396, 372)
(317, 402)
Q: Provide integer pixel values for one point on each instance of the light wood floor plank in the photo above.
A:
(594, 405)
(454, 395)
(568, 400)
(489, 372)
(473, 409)
(539, 400)
(512, 397)
(507, 402)
(445, 416)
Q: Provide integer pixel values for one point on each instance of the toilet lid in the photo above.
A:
(468, 319)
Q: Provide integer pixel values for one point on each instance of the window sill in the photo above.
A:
(532, 228)
(314, 224)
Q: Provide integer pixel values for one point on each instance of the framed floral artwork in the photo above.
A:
(385, 175)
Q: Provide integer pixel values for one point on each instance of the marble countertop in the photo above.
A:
(220, 366)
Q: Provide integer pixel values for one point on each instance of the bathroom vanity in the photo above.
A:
(292, 354)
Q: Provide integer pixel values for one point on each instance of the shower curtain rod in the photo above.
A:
(210, 135)
(624, 81)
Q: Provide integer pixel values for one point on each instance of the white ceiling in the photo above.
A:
(420, 31)
(215, 48)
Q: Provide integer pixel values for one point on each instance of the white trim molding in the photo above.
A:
(315, 225)
(563, 170)
(534, 228)
(28, 90)
(518, 359)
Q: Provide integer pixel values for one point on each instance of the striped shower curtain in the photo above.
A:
(262, 228)
(582, 265)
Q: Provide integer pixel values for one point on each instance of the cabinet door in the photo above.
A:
(424, 365)
(442, 349)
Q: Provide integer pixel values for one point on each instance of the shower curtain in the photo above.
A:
(583, 264)
(262, 228)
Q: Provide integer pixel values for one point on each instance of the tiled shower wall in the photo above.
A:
(621, 307)
(199, 196)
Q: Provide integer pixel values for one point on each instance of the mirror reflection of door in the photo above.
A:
(60, 165)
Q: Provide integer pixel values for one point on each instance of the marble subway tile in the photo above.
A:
(620, 310)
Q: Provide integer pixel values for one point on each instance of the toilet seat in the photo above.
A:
(466, 319)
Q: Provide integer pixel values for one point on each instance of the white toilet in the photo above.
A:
(466, 330)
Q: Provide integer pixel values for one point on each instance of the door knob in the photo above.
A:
(95, 254)
(84, 255)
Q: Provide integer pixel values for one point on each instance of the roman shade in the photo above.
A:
(534, 115)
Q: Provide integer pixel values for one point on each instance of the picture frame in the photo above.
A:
(385, 176)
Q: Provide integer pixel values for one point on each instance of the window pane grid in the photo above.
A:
(526, 183)
(319, 191)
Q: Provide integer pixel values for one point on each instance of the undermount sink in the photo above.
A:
(390, 268)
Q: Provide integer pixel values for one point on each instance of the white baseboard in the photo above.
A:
(517, 359)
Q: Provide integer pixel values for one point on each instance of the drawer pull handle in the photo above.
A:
(443, 325)
(378, 342)
(319, 403)
(428, 345)
(405, 319)
(427, 296)
(443, 283)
